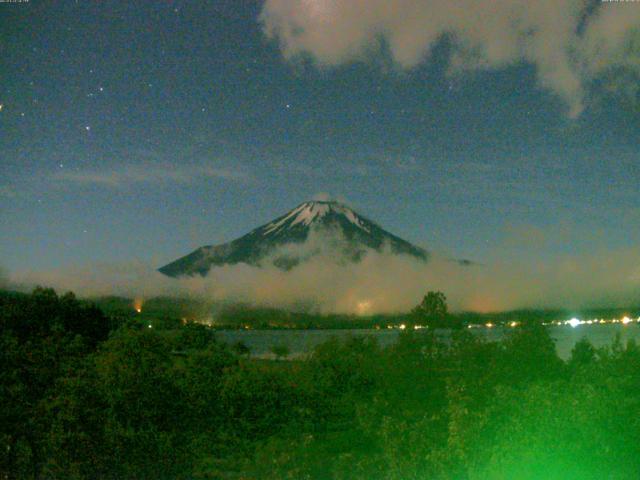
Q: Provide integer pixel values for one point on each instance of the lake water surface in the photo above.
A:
(301, 342)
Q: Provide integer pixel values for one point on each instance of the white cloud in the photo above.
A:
(326, 197)
(149, 173)
(512, 276)
(553, 35)
(322, 196)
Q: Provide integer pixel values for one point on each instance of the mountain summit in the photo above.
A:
(296, 236)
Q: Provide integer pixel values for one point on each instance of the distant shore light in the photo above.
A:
(574, 322)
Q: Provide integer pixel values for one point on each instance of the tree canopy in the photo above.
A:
(84, 396)
(432, 310)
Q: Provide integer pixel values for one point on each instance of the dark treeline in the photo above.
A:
(244, 315)
(85, 395)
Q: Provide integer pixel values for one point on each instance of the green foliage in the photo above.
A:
(194, 336)
(529, 355)
(42, 337)
(559, 430)
(432, 310)
(583, 354)
(80, 399)
(241, 348)
(280, 351)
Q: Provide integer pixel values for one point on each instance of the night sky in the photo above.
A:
(141, 130)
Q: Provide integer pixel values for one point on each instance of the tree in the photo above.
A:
(194, 336)
(280, 351)
(44, 340)
(241, 348)
(583, 353)
(432, 310)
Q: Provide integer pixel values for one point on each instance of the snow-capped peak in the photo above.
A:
(357, 236)
(309, 212)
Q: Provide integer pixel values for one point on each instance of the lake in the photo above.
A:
(301, 342)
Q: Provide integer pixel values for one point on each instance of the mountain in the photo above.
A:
(296, 236)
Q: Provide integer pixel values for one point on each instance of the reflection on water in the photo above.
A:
(301, 342)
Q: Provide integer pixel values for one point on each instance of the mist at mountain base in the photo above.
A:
(381, 282)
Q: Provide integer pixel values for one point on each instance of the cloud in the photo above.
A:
(570, 42)
(322, 196)
(149, 173)
(328, 197)
(382, 281)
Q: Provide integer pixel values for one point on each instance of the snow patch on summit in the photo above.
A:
(272, 227)
(309, 212)
(353, 218)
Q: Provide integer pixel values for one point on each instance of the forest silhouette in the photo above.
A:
(90, 395)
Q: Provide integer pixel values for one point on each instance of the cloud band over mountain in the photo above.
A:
(384, 282)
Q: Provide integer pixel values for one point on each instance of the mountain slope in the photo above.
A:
(333, 226)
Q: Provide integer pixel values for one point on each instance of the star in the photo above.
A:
(87, 128)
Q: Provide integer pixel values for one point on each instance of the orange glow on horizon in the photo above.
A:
(137, 305)
(482, 304)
